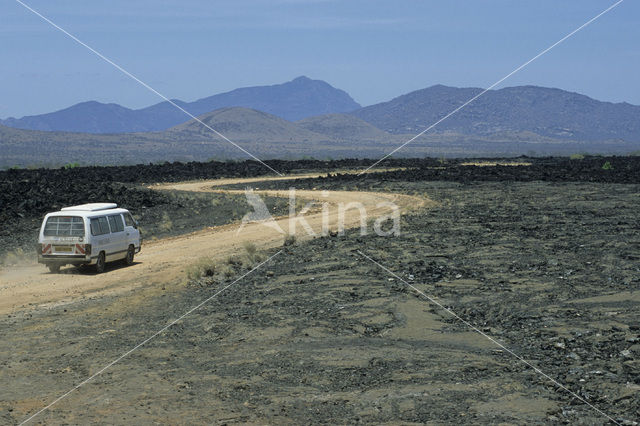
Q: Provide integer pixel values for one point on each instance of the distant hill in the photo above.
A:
(87, 117)
(543, 111)
(294, 100)
(343, 127)
(260, 133)
(244, 124)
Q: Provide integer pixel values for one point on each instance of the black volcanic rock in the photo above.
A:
(294, 100)
(544, 111)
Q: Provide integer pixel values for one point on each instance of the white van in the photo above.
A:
(88, 234)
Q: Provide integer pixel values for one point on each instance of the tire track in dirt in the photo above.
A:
(163, 262)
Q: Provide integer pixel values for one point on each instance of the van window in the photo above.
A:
(116, 224)
(128, 220)
(64, 226)
(99, 226)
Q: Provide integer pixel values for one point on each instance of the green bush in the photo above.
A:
(607, 166)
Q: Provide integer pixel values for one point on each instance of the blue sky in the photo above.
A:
(375, 50)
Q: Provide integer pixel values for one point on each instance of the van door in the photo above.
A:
(119, 242)
(101, 236)
(131, 229)
(62, 235)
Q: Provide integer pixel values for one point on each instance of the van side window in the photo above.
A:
(104, 225)
(95, 227)
(116, 224)
(119, 223)
(99, 226)
(128, 220)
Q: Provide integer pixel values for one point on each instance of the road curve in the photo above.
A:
(163, 262)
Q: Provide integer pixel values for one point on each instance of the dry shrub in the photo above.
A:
(166, 224)
(203, 267)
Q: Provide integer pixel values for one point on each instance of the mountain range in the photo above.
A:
(293, 100)
(307, 117)
(544, 111)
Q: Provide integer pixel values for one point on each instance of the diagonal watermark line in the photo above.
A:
(139, 345)
(590, 21)
(476, 329)
(145, 85)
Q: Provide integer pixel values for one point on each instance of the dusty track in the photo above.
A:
(163, 262)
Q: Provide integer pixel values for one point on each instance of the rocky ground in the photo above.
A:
(550, 269)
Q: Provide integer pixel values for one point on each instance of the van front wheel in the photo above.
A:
(130, 253)
(100, 263)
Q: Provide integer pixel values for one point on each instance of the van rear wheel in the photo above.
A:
(54, 269)
(130, 254)
(100, 263)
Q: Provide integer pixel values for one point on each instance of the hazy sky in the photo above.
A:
(375, 50)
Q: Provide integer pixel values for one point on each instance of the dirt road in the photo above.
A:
(163, 262)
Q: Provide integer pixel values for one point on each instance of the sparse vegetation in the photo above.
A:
(211, 269)
(250, 248)
(251, 251)
(166, 224)
(204, 267)
(576, 156)
(233, 265)
(234, 260)
(607, 166)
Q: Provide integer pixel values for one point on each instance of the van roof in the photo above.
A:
(87, 213)
(90, 207)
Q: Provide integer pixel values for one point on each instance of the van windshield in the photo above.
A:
(64, 226)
